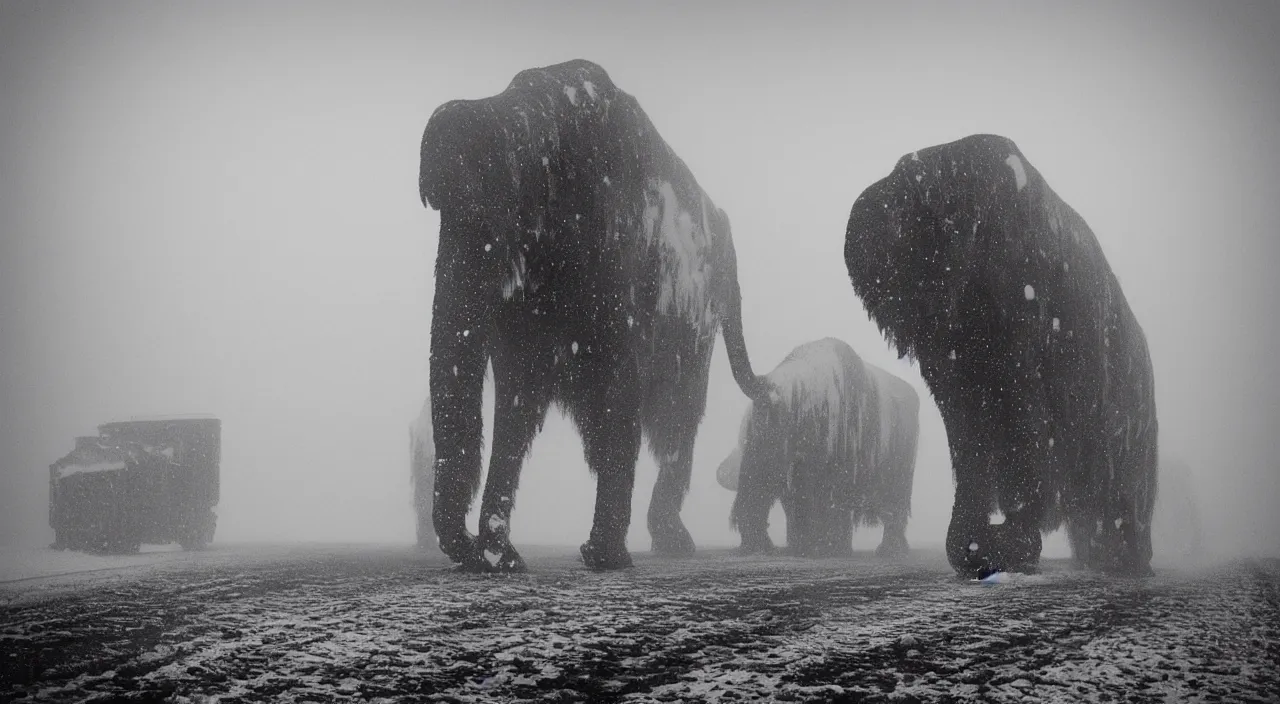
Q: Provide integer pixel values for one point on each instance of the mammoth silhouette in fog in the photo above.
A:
(1176, 528)
(422, 475)
(581, 258)
(967, 261)
(836, 445)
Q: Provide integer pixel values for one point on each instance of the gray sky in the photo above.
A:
(212, 207)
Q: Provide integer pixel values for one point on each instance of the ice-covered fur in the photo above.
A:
(836, 445)
(969, 262)
(582, 259)
(422, 475)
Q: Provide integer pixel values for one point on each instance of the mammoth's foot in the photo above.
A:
(980, 552)
(670, 537)
(599, 557)
(1116, 554)
(488, 556)
(893, 547)
(503, 559)
(757, 545)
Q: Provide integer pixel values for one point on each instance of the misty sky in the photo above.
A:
(213, 208)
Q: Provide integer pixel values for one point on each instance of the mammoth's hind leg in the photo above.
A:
(671, 414)
(759, 486)
(893, 542)
(522, 393)
(607, 411)
(670, 537)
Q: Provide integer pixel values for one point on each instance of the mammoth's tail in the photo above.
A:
(755, 387)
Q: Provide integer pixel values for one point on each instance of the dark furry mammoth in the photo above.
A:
(579, 256)
(969, 262)
(836, 445)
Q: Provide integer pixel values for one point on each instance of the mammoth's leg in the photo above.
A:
(459, 355)
(671, 417)
(609, 421)
(893, 542)
(1079, 499)
(670, 537)
(758, 489)
(522, 383)
(969, 536)
(1123, 535)
(800, 538)
(1021, 485)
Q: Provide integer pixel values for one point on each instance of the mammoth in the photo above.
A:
(581, 259)
(422, 475)
(969, 263)
(836, 445)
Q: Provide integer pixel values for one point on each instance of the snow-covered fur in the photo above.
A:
(581, 258)
(837, 445)
(422, 475)
(969, 262)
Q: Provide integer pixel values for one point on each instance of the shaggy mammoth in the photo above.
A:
(579, 256)
(969, 262)
(837, 446)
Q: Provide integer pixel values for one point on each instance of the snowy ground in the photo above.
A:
(371, 623)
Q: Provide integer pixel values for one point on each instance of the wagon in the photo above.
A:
(139, 481)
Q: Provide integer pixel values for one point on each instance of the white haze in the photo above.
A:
(213, 207)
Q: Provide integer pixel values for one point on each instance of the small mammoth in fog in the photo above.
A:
(836, 445)
(580, 257)
(970, 263)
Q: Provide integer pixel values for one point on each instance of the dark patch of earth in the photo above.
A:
(388, 624)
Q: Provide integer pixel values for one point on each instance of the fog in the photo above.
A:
(213, 208)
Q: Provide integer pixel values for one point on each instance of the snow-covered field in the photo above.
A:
(383, 623)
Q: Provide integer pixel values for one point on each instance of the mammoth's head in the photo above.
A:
(918, 239)
(730, 469)
(462, 158)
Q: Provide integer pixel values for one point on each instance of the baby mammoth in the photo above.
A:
(836, 443)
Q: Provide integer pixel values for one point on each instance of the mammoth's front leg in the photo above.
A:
(521, 398)
(1024, 481)
(893, 542)
(971, 548)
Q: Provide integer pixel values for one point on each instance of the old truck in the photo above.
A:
(149, 481)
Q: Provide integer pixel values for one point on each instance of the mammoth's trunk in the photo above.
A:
(459, 356)
(729, 470)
